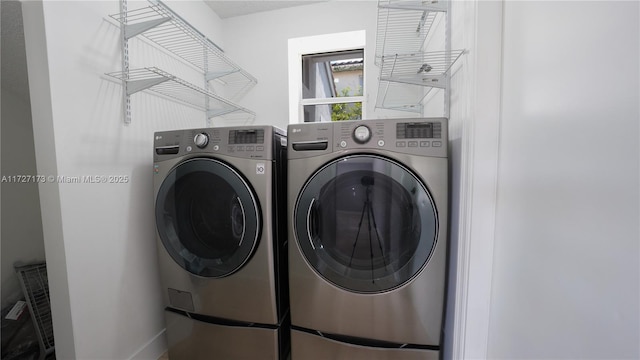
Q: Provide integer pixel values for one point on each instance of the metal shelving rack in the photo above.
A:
(35, 286)
(160, 25)
(407, 72)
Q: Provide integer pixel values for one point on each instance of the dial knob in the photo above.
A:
(361, 134)
(201, 140)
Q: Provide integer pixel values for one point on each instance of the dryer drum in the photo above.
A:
(365, 223)
(197, 216)
(358, 240)
(207, 217)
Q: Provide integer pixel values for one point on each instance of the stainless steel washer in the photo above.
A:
(221, 234)
(368, 219)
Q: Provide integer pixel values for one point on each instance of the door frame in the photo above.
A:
(479, 179)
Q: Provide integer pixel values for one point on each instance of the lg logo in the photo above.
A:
(296, 130)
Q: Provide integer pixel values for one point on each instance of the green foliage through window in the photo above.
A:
(347, 111)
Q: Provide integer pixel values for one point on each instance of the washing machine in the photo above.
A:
(368, 224)
(220, 211)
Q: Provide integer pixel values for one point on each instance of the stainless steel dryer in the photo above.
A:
(368, 216)
(221, 233)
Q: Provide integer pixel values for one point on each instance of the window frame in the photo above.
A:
(327, 43)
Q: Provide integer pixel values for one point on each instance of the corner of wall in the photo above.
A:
(152, 349)
(41, 109)
(477, 151)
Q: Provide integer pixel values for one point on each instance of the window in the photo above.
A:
(326, 77)
(332, 86)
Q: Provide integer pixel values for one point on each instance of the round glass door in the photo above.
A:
(365, 223)
(207, 217)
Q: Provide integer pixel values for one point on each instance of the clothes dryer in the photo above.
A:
(222, 244)
(368, 216)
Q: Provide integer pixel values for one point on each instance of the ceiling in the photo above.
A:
(230, 8)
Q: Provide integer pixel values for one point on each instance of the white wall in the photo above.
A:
(566, 269)
(258, 42)
(100, 238)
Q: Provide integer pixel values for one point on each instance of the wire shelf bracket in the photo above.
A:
(134, 30)
(133, 86)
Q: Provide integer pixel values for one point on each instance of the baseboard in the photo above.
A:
(153, 349)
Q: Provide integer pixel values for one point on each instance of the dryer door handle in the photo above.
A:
(312, 222)
(244, 220)
(310, 145)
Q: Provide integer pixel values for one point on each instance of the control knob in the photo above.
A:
(201, 140)
(361, 134)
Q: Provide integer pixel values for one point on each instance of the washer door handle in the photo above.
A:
(244, 219)
(312, 222)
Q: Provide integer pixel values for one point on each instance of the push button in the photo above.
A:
(437, 144)
(401, 144)
(424, 144)
(413, 144)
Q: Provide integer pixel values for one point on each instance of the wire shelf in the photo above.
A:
(161, 82)
(167, 29)
(403, 25)
(403, 97)
(425, 69)
(35, 286)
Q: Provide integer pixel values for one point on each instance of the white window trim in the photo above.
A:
(314, 45)
(334, 100)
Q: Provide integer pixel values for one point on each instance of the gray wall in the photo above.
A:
(21, 223)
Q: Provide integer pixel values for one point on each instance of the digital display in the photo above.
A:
(418, 130)
(251, 136)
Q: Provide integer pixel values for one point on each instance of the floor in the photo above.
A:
(165, 356)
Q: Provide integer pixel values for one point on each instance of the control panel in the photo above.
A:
(244, 141)
(419, 136)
